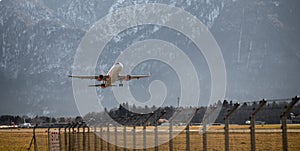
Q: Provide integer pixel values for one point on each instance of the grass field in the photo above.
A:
(268, 137)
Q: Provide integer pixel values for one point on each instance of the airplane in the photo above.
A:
(111, 77)
(25, 125)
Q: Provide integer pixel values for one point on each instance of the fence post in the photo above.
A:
(95, 138)
(226, 128)
(125, 132)
(59, 135)
(89, 144)
(187, 131)
(34, 138)
(70, 141)
(187, 137)
(71, 130)
(171, 136)
(145, 132)
(83, 138)
(124, 137)
(252, 126)
(171, 130)
(204, 141)
(49, 142)
(116, 132)
(156, 137)
(116, 137)
(72, 137)
(134, 138)
(283, 122)
(108, 137)
(101, 136)
(78, 136)
(205, 121)
(66, 139)
(156, 130)
(134, 130)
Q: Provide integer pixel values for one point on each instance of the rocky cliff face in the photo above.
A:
(38, 40)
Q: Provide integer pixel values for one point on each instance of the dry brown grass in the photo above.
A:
(20, 139)
(16, 140)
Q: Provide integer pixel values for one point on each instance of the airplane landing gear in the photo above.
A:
(121, 84)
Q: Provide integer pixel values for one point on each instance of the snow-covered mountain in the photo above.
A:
(38, 40)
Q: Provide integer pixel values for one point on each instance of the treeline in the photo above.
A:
(39, 120)
(270, 113)
(127, 114)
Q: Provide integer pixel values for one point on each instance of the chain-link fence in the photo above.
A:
(261, 125)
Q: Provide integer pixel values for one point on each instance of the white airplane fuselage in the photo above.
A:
(114, 73)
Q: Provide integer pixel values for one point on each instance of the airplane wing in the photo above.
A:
(130, 77)
(100, 77)
(83, 77)
(96, 85)
(99, 85)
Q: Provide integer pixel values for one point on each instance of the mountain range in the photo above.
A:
(259, 41)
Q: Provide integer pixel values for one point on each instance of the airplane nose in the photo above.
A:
(120, 65)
